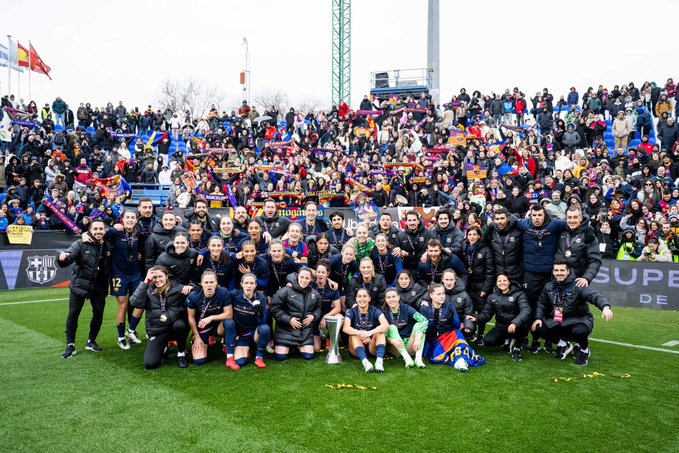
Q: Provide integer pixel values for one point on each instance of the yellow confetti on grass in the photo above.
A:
(348, 387)
(594, 375)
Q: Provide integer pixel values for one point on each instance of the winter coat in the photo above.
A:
(276, 226)
(412, 295)
(540, 244)
(145, 297)
(585, 257)
(295, 302)
(510, 308)
(574, 302)
(157, 242)
(376, 288)
(180, 267)
(482, 264)
(87, 277)
(507, 249)
(451, 238)
(415, 243)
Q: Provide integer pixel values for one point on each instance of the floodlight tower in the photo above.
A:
(433, 59)
(341, 51)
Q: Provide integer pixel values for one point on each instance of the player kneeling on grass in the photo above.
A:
(562, 315)
(366, 325)
(445, 343)
(295, 308)
(247, 326)
(406, 329)
(208, 310)
(164, 304)
(512, 312)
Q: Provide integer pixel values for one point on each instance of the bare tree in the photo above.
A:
(192, 95)
(278, 100)
(311, 104)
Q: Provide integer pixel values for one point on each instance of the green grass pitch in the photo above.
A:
(107, 402)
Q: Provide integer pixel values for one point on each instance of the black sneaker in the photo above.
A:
(93, 346)
(576, 351)
(479, 340)
(549, 347)
(583, 358)
(535, 347)
(563, 351)
(525, 345)
(182, 362)
(506, 346)
(516, 355)
(69, 352)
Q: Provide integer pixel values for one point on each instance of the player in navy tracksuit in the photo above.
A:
(232, 238)
(249, 324)
(125, 275)
(330, 300)
(280, 266)
(219, 261)
(250, 263)
(208, 309)
(366, 325)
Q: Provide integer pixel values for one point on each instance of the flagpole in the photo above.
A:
(29, 72)
(9, 66)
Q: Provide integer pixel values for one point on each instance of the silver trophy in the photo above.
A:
(334, 324)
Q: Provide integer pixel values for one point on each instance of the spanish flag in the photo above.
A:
(30, 59)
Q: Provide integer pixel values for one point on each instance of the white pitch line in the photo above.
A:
(34, 301)
(635, 346)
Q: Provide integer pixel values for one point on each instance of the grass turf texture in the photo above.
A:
(107, 402)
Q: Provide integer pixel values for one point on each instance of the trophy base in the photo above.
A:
(333, 359)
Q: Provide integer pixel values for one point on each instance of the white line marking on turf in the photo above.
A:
(671, 344)
(636, 346)
(34, 301)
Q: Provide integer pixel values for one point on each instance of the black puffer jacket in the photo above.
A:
(210, 224)
(157, 243)
(451, 238)
(392, 234)
(86, 273)
(510, 308)
(376, 288)
(415, 243)
(412, 295)
(507, 249)
(574, 301)
(180, 267)
(295, 302)
(276, 226)
(459, 297)
(145, 297)
(585, 256)
(482, 263)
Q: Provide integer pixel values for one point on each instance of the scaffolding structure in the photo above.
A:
(341, 51)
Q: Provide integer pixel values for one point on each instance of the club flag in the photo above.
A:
(37, 65)
(497, 147)
(115, 184)
(23, 55)
(366, 212)
(457, 138)
(474, 171)
(451, 346)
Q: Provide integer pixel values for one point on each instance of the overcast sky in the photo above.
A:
(123, 50)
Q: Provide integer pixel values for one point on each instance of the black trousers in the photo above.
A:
(578, 333)
(157, 343)
(534, 283)
(498, 335)
(75, 306)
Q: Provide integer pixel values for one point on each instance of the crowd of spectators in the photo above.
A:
(537, 150)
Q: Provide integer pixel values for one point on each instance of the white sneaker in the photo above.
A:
(379, 365)
(419, 363)
(367, 366)
(461, 365)
(124, 345)
(132, 336)
(409, 361)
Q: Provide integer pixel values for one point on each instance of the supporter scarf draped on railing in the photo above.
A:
(327, 196)
(70, 224)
